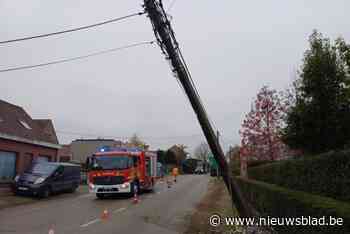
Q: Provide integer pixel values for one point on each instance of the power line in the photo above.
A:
(76, 58)
(87, 134)
(150, 138)
(73, 29)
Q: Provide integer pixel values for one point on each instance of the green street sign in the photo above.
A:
(212, 161)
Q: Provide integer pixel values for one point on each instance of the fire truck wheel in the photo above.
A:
(100, 195)
(73, 188)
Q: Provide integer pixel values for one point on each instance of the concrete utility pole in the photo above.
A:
(218, 142)
(168, 44)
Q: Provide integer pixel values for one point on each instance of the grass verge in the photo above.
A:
(216, 201)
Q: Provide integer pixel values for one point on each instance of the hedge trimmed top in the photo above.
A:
(326, 174)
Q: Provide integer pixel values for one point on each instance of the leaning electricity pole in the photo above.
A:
(169, 46)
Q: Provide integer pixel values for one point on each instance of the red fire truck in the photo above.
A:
(122, 170)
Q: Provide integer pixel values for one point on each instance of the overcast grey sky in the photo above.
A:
(233, 48)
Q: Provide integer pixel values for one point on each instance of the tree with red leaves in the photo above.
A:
(262, 127)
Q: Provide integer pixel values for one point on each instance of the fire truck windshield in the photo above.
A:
(112, 162)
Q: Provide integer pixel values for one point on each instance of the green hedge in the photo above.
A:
(326, 175)
(256, 163)
(274, 201)
(236, 169)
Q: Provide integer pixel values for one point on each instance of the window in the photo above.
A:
(7, 166)
(60, 170)
(24, 124)
(119, 162)
(43, 158)
(40, 168)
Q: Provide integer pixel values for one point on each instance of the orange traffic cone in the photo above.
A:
(105, 214)
(135, 199)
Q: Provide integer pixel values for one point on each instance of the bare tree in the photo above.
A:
(202, 151)
(233, 153)
(135, 141)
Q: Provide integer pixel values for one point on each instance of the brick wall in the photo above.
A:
(25, 151)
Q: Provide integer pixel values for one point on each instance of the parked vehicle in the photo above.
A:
(121, 170)
(46, 178)
(199, 170)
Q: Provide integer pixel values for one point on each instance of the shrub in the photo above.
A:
(256, 163)
(236, 169)
(326, 175)
(274, 201)
(234, 165)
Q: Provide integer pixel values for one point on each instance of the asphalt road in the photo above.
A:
(162, 211)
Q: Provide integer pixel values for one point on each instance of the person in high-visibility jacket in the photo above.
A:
(175, 173)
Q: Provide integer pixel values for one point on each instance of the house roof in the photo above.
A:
(48, 129)
(95, 139)
(15, 122)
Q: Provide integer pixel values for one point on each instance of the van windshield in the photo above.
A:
(112, 162)
(42, 169)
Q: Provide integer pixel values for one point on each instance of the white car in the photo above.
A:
(199, 170)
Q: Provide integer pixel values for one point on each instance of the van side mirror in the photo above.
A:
(58, 173)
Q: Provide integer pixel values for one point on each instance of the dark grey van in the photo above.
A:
(46, 178)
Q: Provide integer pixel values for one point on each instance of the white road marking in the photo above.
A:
(98, 220)
(119, 210)
(89, 223)
(85, 195)
(34, 209)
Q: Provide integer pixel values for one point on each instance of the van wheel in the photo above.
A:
(72, 189)
(100, 195)
(45, 193)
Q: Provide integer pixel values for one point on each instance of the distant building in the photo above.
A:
(83, 148)
(23, 140)
(65, 153)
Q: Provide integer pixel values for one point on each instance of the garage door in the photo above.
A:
(43, 158)
(7, 166)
